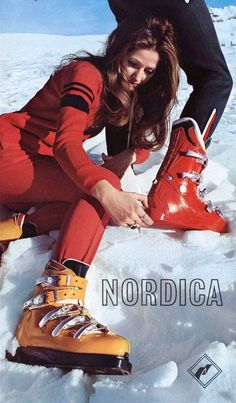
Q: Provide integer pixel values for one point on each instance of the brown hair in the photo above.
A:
(155, 99)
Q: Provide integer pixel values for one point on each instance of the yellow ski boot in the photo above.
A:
(11, 228)
(58, 331)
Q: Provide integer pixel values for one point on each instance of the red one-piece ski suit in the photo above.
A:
(43, 162)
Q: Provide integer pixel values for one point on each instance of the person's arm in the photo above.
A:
(79, 92)
(121, 161)
(116, 140)
(120, 8)
(123, 207)
(81, 87)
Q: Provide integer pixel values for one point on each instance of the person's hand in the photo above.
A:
(119, 162)
(125, 208)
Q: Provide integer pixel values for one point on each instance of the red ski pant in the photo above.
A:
(39, 181)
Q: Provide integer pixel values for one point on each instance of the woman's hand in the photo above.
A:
(125, 208)
(119, 162)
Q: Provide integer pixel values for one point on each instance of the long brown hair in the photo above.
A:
(153, 100)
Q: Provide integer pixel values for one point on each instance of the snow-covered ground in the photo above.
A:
(166, 341)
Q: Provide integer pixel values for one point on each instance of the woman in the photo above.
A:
(174, 199)
(43, 164)
(199, 50)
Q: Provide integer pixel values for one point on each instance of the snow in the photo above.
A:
(224, 19)
(165, 340)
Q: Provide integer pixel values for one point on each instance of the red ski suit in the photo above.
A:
(43, 163)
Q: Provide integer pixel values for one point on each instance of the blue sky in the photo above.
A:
(65, 17)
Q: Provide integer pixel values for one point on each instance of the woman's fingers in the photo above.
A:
(137, 215)
(142, 218)
(127, 209)
(146, 220)
(143, 199)
(130, 223)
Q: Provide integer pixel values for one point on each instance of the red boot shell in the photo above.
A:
(175, 200)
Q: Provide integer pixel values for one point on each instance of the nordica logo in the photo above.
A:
(166, 292)
(204, 371)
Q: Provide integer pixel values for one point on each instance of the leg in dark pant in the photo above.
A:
(200, 55)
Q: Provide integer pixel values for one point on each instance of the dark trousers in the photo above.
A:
(200, 57)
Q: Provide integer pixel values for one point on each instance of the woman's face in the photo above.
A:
(140, 65)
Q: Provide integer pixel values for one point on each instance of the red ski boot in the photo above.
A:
(175, 200)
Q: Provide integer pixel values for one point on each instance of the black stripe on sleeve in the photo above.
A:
(81, 85)
(78, 90)
(75, 101)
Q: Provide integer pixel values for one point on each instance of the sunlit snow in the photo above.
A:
(165, 341)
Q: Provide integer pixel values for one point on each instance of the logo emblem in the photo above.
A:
(204, 370)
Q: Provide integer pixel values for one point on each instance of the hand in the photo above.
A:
(119, 162)
(125, 208)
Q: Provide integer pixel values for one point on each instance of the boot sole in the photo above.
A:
(222, 227)
(102, 364)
